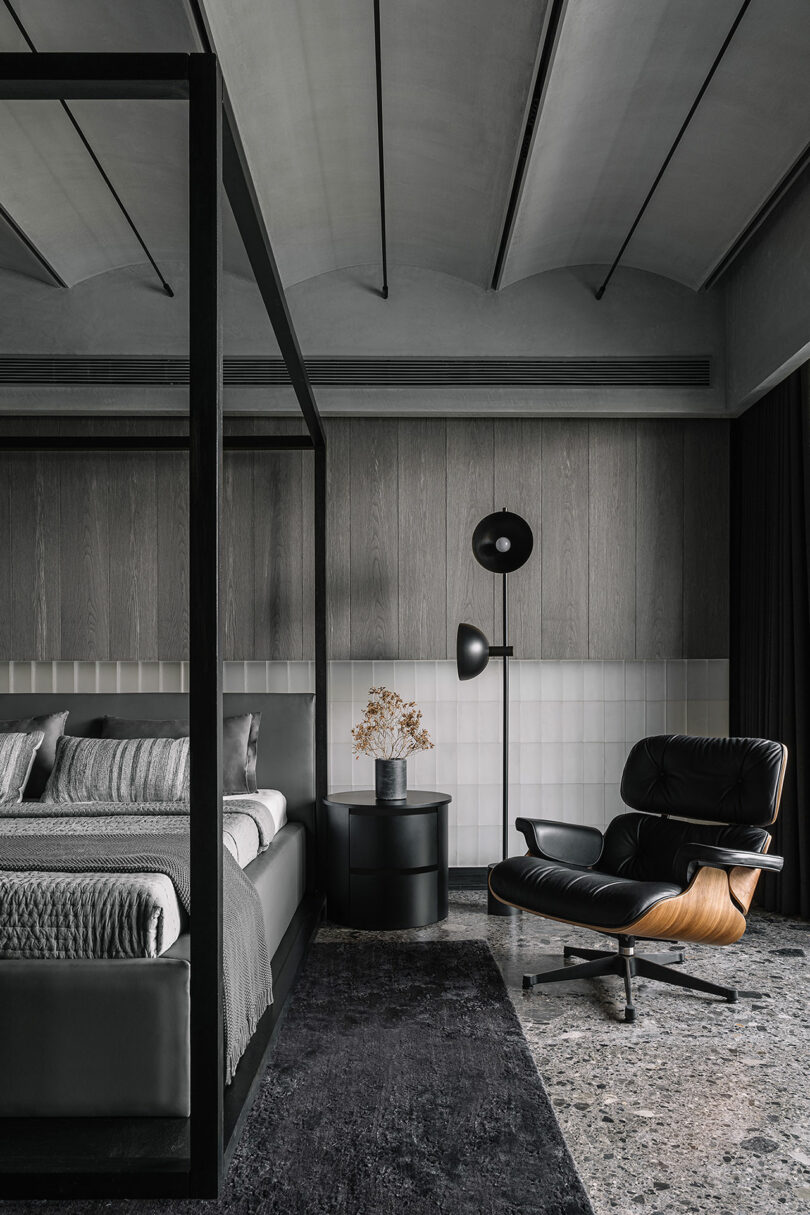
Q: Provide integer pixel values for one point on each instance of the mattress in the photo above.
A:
(102, 915)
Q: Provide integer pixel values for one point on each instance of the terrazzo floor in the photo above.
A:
(698, 1107)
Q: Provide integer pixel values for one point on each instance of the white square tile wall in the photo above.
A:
(572, 724)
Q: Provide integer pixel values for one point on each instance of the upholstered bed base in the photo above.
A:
(111, 1037)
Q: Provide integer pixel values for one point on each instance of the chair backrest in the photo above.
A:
(645, 847)
(717, 780)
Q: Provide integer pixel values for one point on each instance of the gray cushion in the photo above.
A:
(119, 770)
(17, 753)
(240, 742)
(52, 725)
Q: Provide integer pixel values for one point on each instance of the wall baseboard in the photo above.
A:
(468, 877)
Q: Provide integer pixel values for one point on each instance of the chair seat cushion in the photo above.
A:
(583, 896)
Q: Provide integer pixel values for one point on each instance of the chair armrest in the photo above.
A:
(700, 856)
(561, 841)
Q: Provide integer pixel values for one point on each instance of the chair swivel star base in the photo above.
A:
(627, 964)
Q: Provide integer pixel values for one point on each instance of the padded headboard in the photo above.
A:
(286, 755)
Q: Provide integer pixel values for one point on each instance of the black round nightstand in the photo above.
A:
(386, 862)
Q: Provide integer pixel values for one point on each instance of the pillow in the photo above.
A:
(52, 726)
(240, 743)
(113, 770)
(17, 752)
(139, 727)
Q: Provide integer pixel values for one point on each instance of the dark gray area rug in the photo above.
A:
(401, 1084)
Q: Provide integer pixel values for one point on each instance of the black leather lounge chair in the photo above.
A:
(657, 874)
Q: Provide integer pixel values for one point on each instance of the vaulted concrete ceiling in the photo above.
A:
(623, 77)
(457, 82)
(456, 78)
(50, 185)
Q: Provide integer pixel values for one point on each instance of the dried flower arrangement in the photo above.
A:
(391, 728)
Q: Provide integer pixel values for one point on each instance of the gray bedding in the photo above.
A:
(88, 915)
(107, 915)
(247, 824)
(247, 977)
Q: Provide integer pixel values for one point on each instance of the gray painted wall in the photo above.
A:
(630, 561)
(768, 303)
(551, 316)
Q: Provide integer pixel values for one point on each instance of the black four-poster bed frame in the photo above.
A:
(216, 156)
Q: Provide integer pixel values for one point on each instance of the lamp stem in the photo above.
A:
(505, 817)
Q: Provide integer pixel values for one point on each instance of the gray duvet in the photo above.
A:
(89, 892)
(106, 915)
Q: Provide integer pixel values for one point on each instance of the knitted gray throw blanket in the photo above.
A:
(247, 980)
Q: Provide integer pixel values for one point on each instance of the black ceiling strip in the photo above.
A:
(117, 198)
(601, 290)
(798, 170)
(368, 372)
(31, 247)
(200, 24)
(104, 175)
(380, 146)
(543, 70)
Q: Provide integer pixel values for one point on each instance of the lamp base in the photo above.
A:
(495, 906)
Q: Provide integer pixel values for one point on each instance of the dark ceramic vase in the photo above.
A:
(391, 779)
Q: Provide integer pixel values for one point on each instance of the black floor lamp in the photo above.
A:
(502, 543)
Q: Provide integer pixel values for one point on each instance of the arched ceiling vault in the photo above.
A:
(457, 84)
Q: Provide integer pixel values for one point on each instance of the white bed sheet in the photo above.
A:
(242, 830)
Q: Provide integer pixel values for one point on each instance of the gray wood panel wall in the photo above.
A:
(630, 560)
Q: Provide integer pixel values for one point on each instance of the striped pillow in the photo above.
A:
(119, 770)
(17, 752)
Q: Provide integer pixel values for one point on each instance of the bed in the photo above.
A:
(109, 1036)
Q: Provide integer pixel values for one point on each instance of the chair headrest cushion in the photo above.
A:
(722, 780)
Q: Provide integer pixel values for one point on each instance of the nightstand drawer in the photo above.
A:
(402, 900)
(403, 841)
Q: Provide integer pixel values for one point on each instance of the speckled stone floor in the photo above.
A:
(700, 1106)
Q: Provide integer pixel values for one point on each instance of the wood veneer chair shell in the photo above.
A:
(703, 913)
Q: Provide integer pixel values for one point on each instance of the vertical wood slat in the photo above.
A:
(564, 540)
(84, 573)
(612, 539)
(659, 540)
(308, 640)
(7, 630)
(422, 537)
(171, 477)
(238, 561)
(470, 463)
(374, 539)
(278, 557)
(339, 532)
(517, 481)
(20, 597)
(706, 539)
(133, 561)
(34, 544)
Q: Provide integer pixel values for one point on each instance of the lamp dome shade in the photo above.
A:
(502, 542)
(472, 651)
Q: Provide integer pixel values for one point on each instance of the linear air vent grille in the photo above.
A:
(373, 372)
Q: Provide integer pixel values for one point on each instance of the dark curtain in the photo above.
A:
(770, 613)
